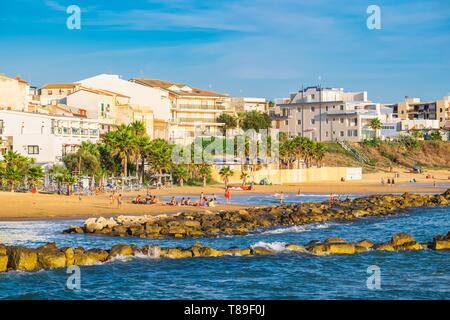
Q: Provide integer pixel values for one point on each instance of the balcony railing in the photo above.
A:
(199, 120)
(200, 107)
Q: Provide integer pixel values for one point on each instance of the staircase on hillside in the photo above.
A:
(355, 153)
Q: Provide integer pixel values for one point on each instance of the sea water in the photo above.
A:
(403, 275)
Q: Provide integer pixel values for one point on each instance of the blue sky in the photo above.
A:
(262, 48)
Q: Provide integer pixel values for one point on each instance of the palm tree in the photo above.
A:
(59, 174)
(70, 180)
(122, 145)
(375, 124)
(182, 173)
(244, 177)
(14, 168)
(204, 172)
(319, 151)
(35, 175)
(159, 157)
(226, 173)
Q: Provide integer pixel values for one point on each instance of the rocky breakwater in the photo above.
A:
(50, 256)
(238, 222)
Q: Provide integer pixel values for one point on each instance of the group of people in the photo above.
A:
(148, 199)
(114, 198)
(389, 181)
(203, 201)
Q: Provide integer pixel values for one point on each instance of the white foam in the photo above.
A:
(272, 246)
(298, 229)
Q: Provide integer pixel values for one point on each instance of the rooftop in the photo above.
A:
(177, 88)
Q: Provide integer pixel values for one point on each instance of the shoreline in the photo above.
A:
(45, 207)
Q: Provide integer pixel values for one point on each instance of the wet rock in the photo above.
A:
(176, 253)
(3, 262)
(335, 240)
(441, 242)
(121, 250)
(153, 251)
(238, 252)
(70, 256)
(90, 257)
(384, 247)
(74, 229)
(21, 258)
(50, 258)
(295, 247)
(261, 251)
(401, 239)
(367, 244)
(3, 249)
(332, 248)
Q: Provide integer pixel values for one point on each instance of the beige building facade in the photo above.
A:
(14, 93)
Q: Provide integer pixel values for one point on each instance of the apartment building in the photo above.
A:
(415, 109)
(246, 104)
(193, 111)
(53, 93)
(45, 137)
(14, 93)
(110, 109)
(327, 114)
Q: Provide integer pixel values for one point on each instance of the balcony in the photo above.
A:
(216, 108)
(197, 120)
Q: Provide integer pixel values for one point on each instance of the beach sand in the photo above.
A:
(21, 206)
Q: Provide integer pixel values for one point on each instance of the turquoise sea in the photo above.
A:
(404, 275)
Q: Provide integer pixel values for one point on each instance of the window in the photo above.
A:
(326, 120)
(313, 96)
(299, 122)
(341, 120)
(326, 133)
(286, 122)
(1, 126)
(326, 108)
(313, 109)
(50, 92)
(33, 149)
(313, 121)
(341, 133)
(342, 107)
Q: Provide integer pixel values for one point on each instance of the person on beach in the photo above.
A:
(299, 192)
(119, 200)
(281, 198)
(214, 197)
(392, 182)
(227, 195)
(389, 181)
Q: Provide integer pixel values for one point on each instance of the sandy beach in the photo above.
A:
(21, 206)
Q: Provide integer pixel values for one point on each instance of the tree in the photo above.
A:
(229, 121)
(86, 161)
(182, 173)
(225, 174)
(58, 174)
(375, 124)
(244, 177)
(319, 150)
(435, 135)
(35, 175)
(14, 169)
(159, 156)
(204, 171)
(255, 120)
(121, 142)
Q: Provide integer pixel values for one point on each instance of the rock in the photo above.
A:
(74, 229)
(360, 249)
(441, 242)
(3, 249)
(401, 238)
(237, 252)
(122, 250)
(410, 246)
(295, 247)
(152, 251)
(332, 248)
(210, 252)
(50, 258)
(89, 257)
(50, 245)
(192, 224)
(70, 256)
(3, 262)
(259, 251)
(365, 244)
(21, 258)
(384, 247)
(335, 240)
(176, 253)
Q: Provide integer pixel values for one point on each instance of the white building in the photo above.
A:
(329, 114)
(14, 93)
(143, 99)
(45, 137)
(246, 104)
